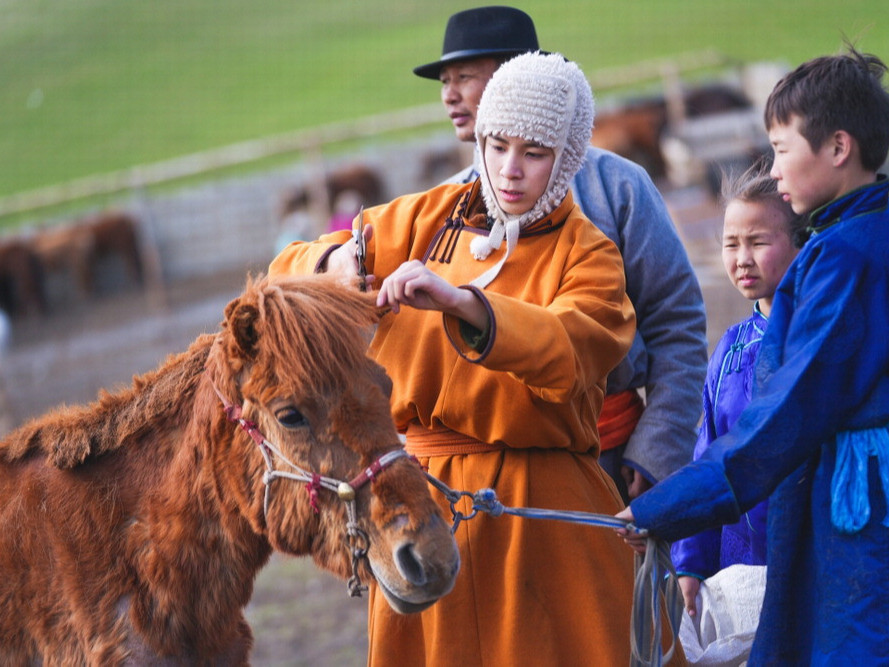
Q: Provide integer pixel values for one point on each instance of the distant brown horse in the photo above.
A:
(133, 528)
(114, 233)
(634, 130)
(76, 249)
(22, 288)
(364, 180)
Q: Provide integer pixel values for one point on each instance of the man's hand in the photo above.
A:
(635, 541)
(343, 261)
(636, 482)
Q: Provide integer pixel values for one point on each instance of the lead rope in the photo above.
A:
(655, 574)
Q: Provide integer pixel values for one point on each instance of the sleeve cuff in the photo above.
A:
(476, 338)
(472, 347)
(691, 500)
(321, 266)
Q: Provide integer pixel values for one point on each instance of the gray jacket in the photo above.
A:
(668, 358)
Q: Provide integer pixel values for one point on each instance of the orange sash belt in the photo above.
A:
(442, 441)
(620, 414)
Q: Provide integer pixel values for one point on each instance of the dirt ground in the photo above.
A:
(299, 615)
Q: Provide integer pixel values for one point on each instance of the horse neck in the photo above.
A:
(196, 535)
(146, 415)
(204, 490)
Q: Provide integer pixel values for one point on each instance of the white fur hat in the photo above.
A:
(542, 98)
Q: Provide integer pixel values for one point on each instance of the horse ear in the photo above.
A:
(242, 322)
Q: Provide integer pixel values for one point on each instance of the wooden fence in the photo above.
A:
(667, 71)
(232, 222)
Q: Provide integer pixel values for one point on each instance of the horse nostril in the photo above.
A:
(409, 566)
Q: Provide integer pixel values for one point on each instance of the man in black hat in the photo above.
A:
(642, 440)
(476, 43)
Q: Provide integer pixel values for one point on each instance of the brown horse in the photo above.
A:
(133, 528)
(635, 129)
(77, 250)
(114, 234)
(22, 287)
(362, 179)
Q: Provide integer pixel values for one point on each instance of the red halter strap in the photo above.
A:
(314, 481)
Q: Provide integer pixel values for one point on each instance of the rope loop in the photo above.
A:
(655, 576)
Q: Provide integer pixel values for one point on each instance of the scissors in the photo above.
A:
(361, 253)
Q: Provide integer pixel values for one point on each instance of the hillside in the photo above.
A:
(95, 86)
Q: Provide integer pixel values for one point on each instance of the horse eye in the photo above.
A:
(290, 417)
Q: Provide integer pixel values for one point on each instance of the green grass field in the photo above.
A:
(92, 86)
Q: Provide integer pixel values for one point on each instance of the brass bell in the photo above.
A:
(345, 491)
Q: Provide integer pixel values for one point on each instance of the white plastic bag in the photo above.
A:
(729, 604)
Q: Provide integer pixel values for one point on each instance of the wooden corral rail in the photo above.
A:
(656, 69)
(666, 70)
(311, 139)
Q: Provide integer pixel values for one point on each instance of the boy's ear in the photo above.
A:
(843, 146)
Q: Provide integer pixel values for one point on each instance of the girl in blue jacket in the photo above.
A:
(758, 244)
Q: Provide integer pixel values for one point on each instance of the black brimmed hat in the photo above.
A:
(483, 32)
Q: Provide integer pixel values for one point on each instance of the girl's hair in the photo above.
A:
(755, 185)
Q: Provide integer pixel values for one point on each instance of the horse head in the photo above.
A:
(291, 364)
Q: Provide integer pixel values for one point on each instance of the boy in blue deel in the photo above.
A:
(816, 434)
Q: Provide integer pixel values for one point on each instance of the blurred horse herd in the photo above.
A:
(72, 252)
(44, 267)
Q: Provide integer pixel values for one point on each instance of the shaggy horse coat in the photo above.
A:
(133, 528)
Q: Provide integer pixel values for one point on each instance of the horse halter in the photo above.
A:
(359, 543)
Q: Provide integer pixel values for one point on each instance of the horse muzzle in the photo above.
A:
(414, 574)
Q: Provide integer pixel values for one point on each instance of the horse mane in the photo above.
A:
(68, 436)
(268, 325)
(276, 319)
